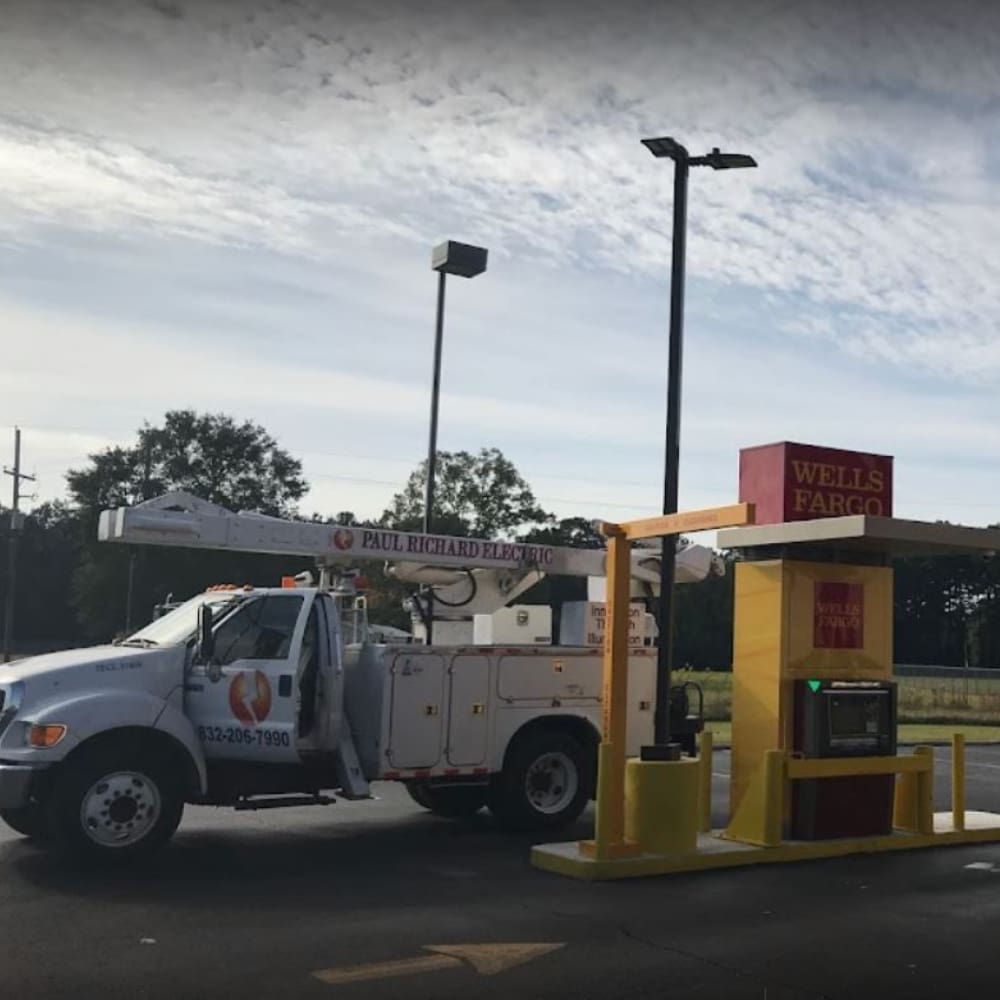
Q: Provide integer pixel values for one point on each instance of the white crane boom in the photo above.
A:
(180, 519)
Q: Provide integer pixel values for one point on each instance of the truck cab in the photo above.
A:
(103, 745)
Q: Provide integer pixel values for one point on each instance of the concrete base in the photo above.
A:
(714, 852)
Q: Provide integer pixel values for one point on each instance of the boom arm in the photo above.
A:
(179, 519)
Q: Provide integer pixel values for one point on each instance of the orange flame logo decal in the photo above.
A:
(250, 697)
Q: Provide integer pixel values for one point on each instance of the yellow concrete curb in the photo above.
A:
(713, 852)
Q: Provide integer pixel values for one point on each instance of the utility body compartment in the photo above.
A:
(445, 712)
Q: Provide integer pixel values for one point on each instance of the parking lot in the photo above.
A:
(381, 899)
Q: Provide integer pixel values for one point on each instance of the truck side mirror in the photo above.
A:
(206, 638)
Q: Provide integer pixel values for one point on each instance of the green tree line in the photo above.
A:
(72, 589)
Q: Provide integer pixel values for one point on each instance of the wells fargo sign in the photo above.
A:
(839, 616)
(798, 482)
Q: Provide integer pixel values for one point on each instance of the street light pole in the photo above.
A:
(466, 261)
(432, 442)
(671, 465)
(662, 748)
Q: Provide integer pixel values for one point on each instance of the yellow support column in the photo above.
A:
(609, 823)
(958, 781)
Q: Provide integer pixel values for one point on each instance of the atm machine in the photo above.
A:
(843, 719)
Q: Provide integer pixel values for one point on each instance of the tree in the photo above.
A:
(573, 532)
(703, 621)
(237, 465)
(947, 610)
(482, 495)
(46, 557)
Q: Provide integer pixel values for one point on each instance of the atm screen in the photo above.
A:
(855, 715)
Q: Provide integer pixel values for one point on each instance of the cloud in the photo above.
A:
(231, 205)
(294, 128)
(585, 428)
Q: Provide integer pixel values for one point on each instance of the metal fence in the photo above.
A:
(926, 670)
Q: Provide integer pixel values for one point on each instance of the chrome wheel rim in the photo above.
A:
(119, 809)
(551, 783)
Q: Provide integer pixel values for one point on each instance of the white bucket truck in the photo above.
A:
(265, 697)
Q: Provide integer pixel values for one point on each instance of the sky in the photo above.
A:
(231, 207)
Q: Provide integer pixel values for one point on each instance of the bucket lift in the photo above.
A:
(468, 576)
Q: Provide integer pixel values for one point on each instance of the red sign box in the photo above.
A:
(839, 615)
(801, 482)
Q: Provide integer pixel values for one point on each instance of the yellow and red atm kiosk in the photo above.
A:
(814, 767)
(813, 621)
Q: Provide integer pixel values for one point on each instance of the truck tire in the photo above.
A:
(115, 803)
(418, 792)
(459, 802)
(545, 782)
(29, 821)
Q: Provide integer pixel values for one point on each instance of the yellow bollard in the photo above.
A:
(904, 805)
(925, 793)
(958, 781)
(661, 804)
(705, 791)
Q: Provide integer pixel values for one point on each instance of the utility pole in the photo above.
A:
(15, 530)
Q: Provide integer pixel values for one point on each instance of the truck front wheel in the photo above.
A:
(115, 802)
(545, 782)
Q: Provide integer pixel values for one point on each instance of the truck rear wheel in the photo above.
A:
(116, 803)
(458, 802)
(29, 821)
(545, 782)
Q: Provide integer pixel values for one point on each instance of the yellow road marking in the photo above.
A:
(386, 970)
(489, 959)
(486, 959)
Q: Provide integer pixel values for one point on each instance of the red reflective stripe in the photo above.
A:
(452, 770)
(390, 775)
(480, 770)
(421, 774)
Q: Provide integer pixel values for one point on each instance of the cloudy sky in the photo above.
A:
(230, 206)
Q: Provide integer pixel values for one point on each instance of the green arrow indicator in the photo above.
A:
(814, 685)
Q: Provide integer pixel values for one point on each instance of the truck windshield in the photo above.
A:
(180, 624)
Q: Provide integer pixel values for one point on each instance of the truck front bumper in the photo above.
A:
(15, 784)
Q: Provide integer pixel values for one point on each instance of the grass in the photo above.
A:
(930, 708)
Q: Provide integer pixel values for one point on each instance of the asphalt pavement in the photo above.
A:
(379, 899)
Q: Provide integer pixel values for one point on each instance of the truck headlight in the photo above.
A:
(46, 736)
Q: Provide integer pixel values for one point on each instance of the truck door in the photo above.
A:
(250, 712)
(320, 679)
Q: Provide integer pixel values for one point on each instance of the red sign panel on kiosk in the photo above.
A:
(838, 615)
(800, 482)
